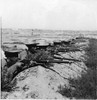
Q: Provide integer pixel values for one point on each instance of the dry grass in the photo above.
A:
(85, 86)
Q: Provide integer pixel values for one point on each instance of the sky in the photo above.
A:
(49, 14)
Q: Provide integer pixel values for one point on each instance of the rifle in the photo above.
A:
(63, 58)
(53, 61)
(68, 49)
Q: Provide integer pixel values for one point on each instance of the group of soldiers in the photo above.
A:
(15, 61)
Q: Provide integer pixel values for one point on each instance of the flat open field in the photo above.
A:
(28, 35)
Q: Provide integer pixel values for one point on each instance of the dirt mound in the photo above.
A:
(40, 82)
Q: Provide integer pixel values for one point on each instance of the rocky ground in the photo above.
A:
(41, 83)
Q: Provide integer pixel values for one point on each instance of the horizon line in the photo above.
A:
(47, 29)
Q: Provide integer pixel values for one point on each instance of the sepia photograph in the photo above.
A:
(48, 49)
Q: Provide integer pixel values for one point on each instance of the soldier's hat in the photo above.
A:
(66, 42)
(42, 43)
(57, 42)
(30, 45)
(11, 51)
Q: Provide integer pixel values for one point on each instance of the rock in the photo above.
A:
(2, 54)
(2, 63)
(3, 57)
(36, 86)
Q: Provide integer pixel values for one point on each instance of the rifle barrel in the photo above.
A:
(66, 58)
(53, 61)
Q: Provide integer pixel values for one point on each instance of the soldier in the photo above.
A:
(13, 65)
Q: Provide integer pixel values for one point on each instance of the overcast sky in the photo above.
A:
(49, 14)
